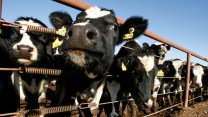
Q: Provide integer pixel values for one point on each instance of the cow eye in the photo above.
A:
(15, 36)
(113, 27)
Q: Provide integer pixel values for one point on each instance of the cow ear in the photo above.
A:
(59, 19)
(146, 46)
(168, 47)
(132, 28)
(5, 32)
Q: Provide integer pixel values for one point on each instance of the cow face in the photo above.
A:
(172, 68)
(197, 74)
(28, 47)
(160, 50)
(90, 42)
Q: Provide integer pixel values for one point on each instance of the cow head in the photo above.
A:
(172, 68)
(89, 45)
(91, 39)
(160, 49)
(197, 72)
(28, 47)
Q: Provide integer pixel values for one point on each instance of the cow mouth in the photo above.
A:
(86, 51)
(24, 57)
(25, 61)
(83, 58)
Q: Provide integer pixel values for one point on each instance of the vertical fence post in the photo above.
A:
(1, 8)
(187, 79)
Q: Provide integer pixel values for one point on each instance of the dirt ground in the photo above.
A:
(196, 110)
(199, 109)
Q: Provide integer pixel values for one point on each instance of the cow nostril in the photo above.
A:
(70, 33)
(91, 34)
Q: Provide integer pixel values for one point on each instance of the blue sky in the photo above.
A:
(184, 22)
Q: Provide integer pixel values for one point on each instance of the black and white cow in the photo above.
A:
(205, 82)
(88, 49)
(159, 49)
(30, 49)
(196, 78)
(9, 100)
(170, 77)
(136, 73)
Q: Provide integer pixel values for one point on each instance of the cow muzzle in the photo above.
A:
(24, 54)
(82, 36)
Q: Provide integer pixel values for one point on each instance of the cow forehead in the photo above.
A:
(95, 12)
(29, 22)
(177, 63)
(198, 68)
(82, 23)
(157, 43)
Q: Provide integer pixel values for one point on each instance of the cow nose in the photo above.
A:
(198, 84)
(148, 103)
(91, 34)
(83, 32)
(24, 48)
(24, 51)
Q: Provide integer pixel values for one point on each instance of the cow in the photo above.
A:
(159, 49)
(8, 94)
(205, 82)
(135, 70)
(196, 77)
(30, 49)
(88, 49)
(170, 72)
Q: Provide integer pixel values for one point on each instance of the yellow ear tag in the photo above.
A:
(62, 31)
(129, 35)
(56, 43)
(123, 67)
(160, 73)
(129, 95)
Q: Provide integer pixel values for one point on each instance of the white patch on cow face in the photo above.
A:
(81, 24)
(95, 12)
(177, 64)
(148, 62)
(30, 22)
(198, 72)
(157, 43)
(78, 57)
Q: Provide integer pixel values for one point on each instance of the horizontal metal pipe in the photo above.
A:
(79, 5)
(163, 40)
